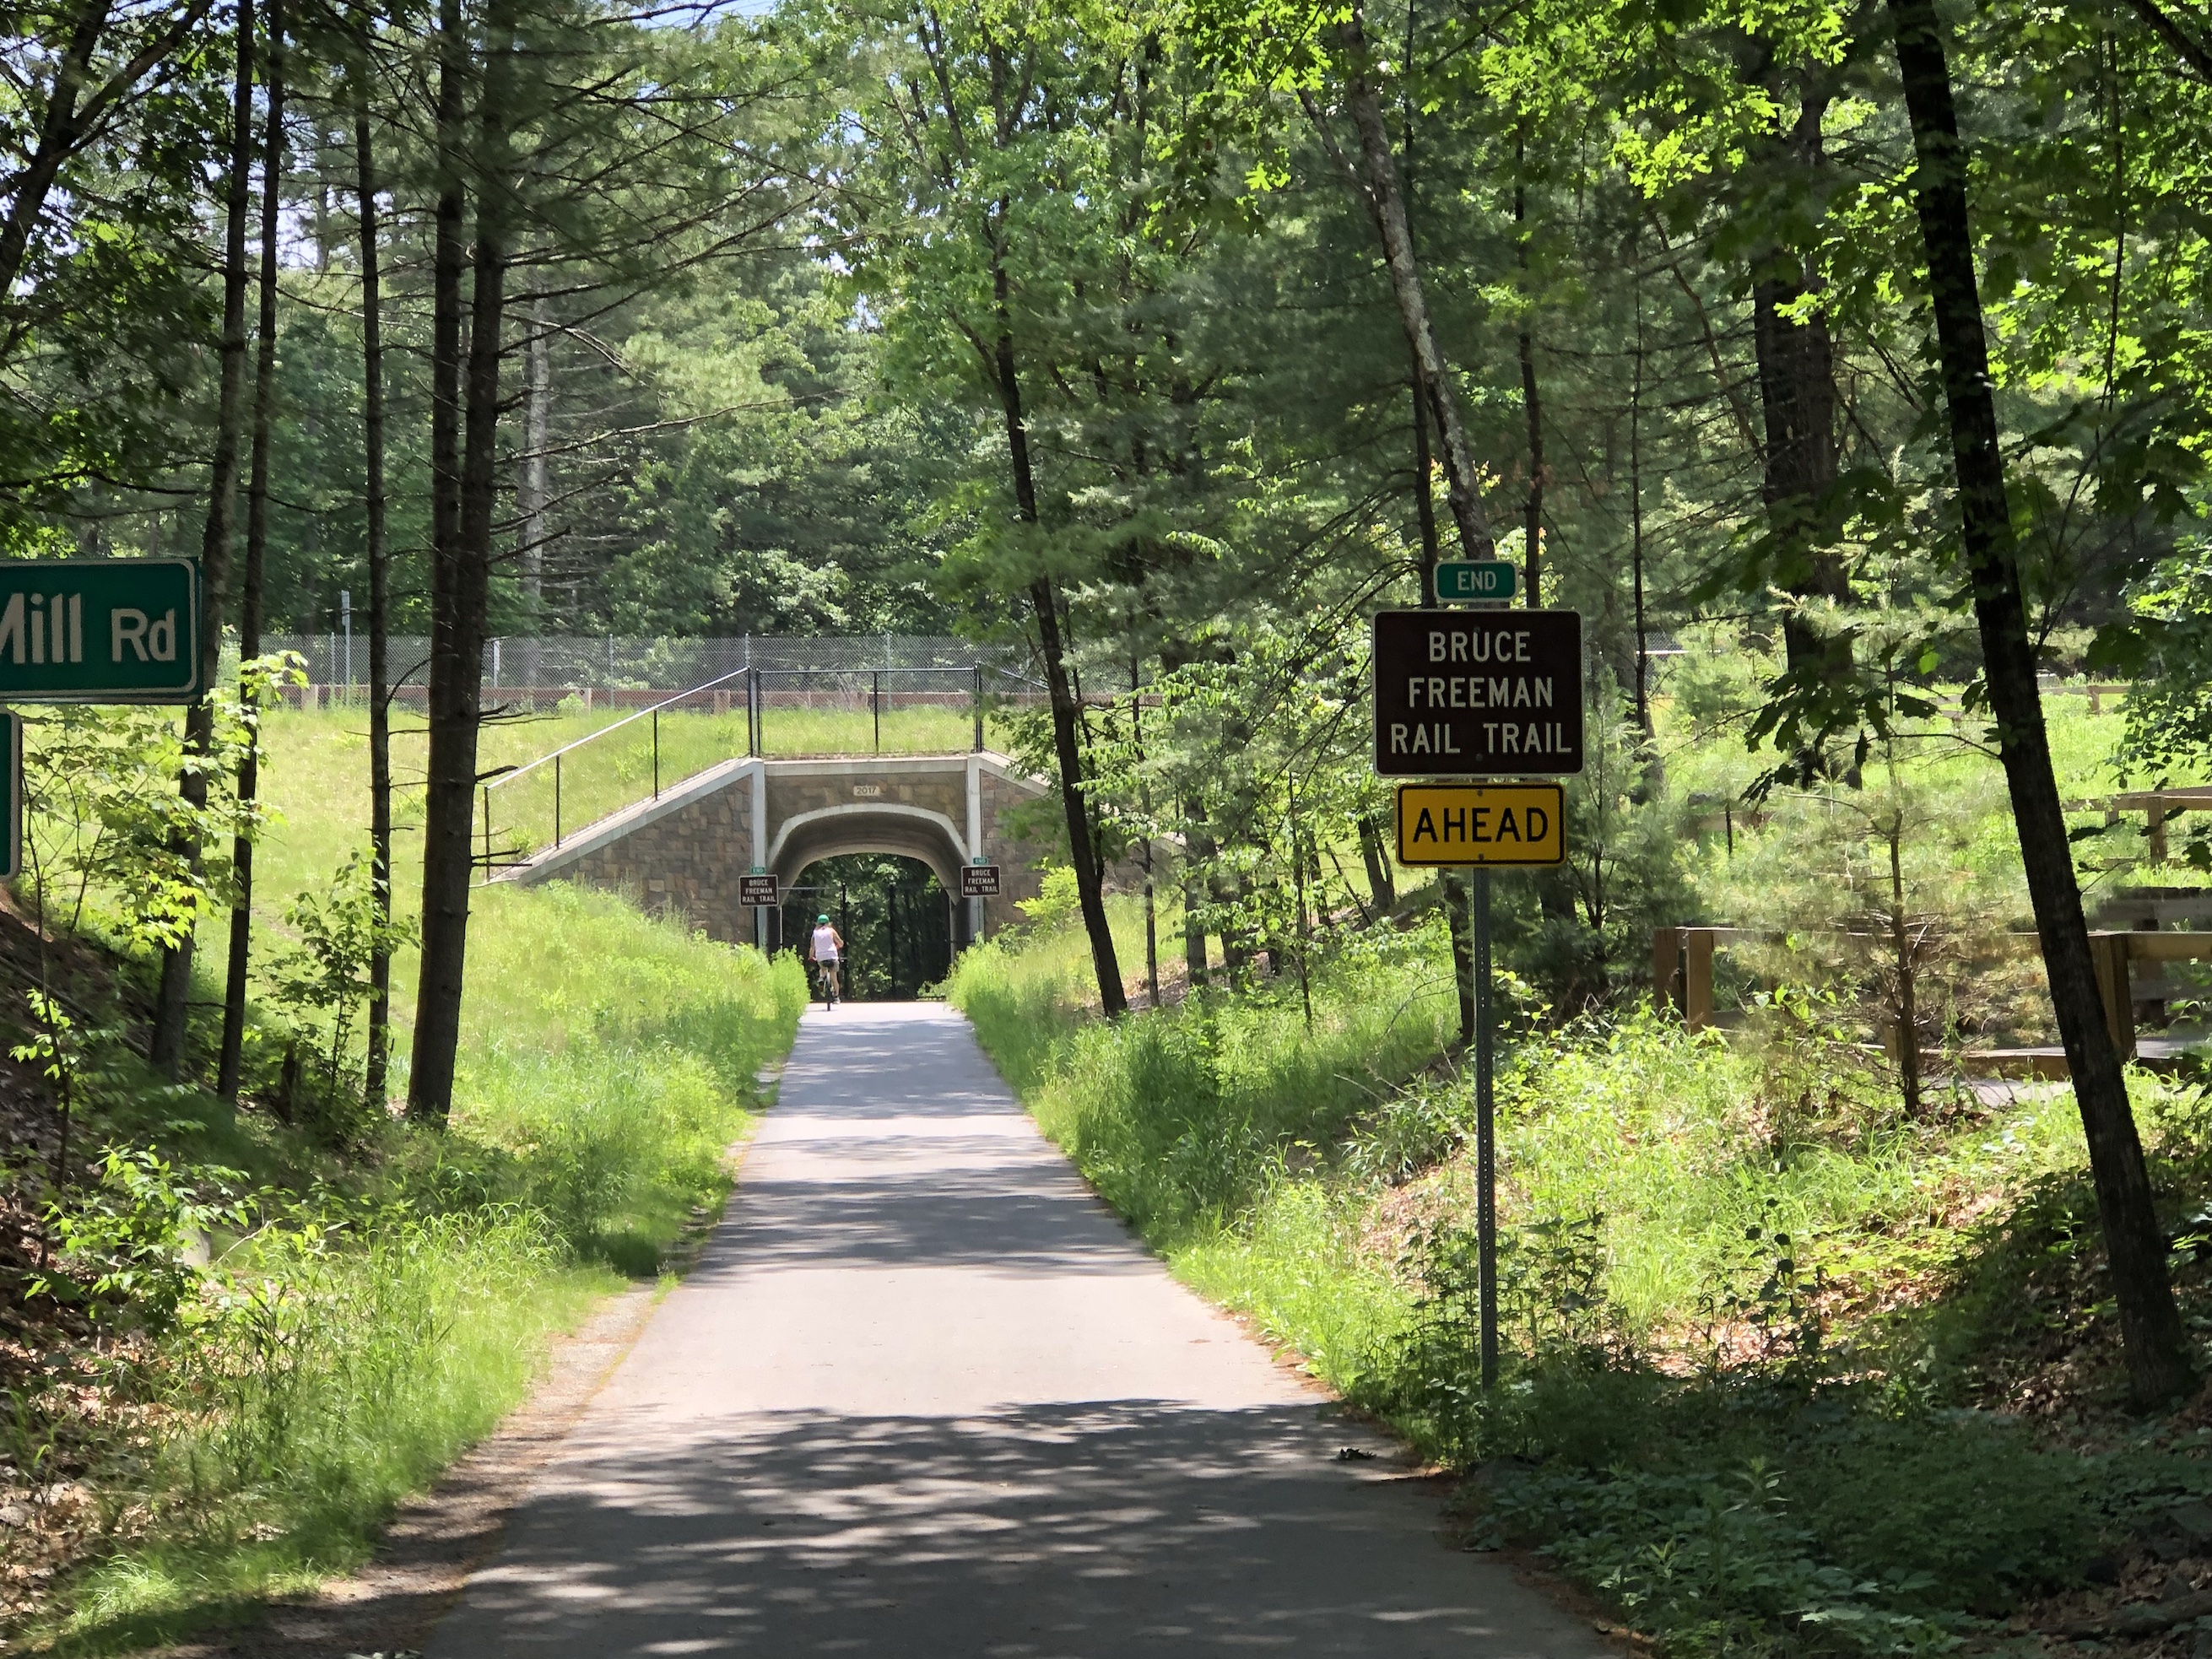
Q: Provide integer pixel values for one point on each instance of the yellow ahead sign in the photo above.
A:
(1481, 823)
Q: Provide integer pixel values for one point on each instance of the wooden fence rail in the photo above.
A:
(1682, 973)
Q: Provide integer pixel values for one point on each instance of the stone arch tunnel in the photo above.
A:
(686, 849)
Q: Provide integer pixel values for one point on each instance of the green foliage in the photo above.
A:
(1746, 1525)
(2169, 713)
(351, 1335)
(323, 979)
(323, 1320)
(108, 837)
(1682, 1424)
(1054, 906)
(1185, 1119)
(345, 1354)
(609, 1065)
(126, 1249)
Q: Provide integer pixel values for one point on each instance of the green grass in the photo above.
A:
(395, 1302)
(354, 1377)
(612, 1056)
(1961, 851)
(617, 770)
(1738, 1287)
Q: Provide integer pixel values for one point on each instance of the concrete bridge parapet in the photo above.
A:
(686, 849)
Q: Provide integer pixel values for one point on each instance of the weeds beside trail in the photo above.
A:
(1787, 1372)
(241, 1431)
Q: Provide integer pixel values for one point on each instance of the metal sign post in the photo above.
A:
(1478, 827)
(1486, 1131)
(1492, 693)
(11, 802)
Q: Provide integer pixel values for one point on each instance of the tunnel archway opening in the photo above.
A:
(894, 913)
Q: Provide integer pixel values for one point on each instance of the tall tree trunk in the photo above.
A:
(166, 1049)
(1797, 396)
(1459, 919)
(1197, 855)
(1425, 499)
(1378, 174)
(1082, 850)
(531, 483)
(1532, 403)
(1065, 714)
(1380, 884)
(257, 552)
(1901, 949)
(1144, 805)
(464, 503)
(1635, 526)
(379, 606)
(2150, 1325)
(533, 488)
(1555, 898)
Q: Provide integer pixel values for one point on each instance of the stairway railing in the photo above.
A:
(758, 691)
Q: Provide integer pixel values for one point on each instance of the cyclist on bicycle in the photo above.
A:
(822, 951)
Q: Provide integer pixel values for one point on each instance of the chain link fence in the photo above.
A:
(619, 670)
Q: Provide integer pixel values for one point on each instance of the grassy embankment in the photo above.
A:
(1786, 1370)
(617, 770)
(378, 1306)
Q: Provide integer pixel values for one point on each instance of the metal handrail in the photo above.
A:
(754, 678)
(616, 726)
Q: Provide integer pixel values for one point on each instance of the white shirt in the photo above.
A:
(825, 945)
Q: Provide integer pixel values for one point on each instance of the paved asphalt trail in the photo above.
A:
(924, 1396)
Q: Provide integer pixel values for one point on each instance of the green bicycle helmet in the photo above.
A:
(825, 916)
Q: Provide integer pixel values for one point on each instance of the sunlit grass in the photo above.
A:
(1248, 1146)
(397, 1356)
(607, 1066)
(594, 779)
(1320, 1180)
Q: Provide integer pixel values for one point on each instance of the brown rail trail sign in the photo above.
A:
(1478, 693)
(979, 881)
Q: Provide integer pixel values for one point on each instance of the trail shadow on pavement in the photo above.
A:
(1075, 1532)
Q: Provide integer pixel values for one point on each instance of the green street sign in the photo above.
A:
(100, 630)
(1475, 579)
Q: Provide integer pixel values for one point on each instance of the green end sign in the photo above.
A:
(100, 630)
(1478, 579)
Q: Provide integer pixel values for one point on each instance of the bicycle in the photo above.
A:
(826, 982)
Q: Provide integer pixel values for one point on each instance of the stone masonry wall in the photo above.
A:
(689, 859)
(946, 793)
